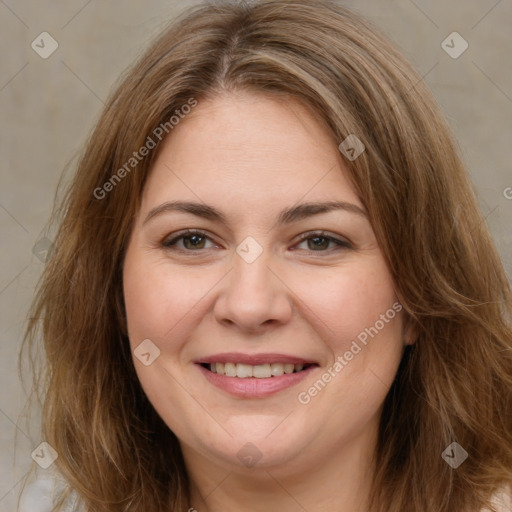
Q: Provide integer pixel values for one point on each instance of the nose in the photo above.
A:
(253, 297)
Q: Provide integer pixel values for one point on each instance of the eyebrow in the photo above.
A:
(286, 216)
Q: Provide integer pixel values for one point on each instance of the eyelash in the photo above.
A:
(171, 244)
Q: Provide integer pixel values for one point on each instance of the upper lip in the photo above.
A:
(253, 359)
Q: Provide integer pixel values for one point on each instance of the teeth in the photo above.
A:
(259, 371)
(276, 369)
(230, 370)
(288, 368)
(243, 370)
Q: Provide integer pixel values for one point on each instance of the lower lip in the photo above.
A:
(252, 387)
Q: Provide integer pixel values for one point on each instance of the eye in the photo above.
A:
(196, 241)
(190, 240)
(321, 242)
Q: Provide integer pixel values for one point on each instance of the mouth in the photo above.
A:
(259, 371)
(254, 376)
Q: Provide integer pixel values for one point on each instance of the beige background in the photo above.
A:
(48, 106)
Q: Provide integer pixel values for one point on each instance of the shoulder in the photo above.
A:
(501, 500)
(41, 494)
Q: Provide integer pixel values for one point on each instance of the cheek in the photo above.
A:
(345, 302)
(357, 315)
(160, 301)
(160, 306)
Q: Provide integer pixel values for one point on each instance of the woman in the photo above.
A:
(272, 285)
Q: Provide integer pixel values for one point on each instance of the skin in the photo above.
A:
(251, 156)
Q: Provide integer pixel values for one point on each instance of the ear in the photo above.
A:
(410, 329)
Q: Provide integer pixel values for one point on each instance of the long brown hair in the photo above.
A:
(453, 384)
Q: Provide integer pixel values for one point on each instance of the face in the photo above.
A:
(239, 278)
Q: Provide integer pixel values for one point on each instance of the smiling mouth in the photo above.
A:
(259, 371)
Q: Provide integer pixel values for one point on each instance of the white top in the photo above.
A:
(39, 497)
(41, 494)
(502, 501)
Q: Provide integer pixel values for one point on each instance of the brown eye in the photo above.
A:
(319, 242)
(194, 241)
(188, 241)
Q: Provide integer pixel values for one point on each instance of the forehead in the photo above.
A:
(252, 148)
